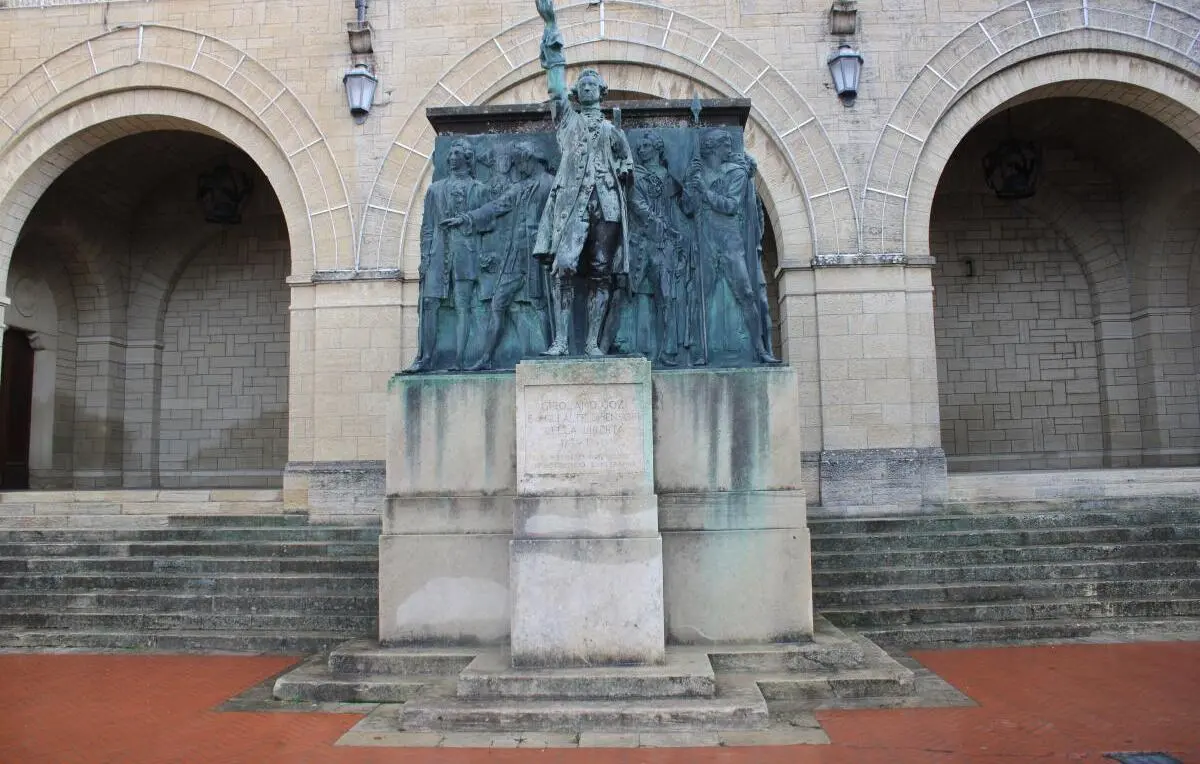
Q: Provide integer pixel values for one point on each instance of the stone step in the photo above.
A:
(291, 519)
(289, 643)
(1106, 571)
(1003, 539)
(313, 682)
(738, 705)
(932, 635)
(846, 683)
(45, 620)
(167, 602)
(1043, 484)
(831, 649)
(80, 522)
(1033, 610)
(848, 666)
(953, 557)
(288, 535)
(367, 657)
(330, 549)
(359, 566)
(979, 592)
(1018, 516)
(491, 676)
(221, 583)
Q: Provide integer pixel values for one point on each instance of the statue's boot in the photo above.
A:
(562, 298)
(670, 343)
(420, 364)
(483, 364)
(427, 341)
(491, 340)
(597, 306)
(760, 350)
(461, 333)
(754, 329)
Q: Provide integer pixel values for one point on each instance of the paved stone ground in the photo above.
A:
(1069, 702)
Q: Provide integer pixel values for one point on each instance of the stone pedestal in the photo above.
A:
(731, 506)
(586, 566)
(451, 482)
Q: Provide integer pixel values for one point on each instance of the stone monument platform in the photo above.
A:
(718, 687)
(584, 545)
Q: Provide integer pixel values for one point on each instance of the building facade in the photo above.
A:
(210, 267)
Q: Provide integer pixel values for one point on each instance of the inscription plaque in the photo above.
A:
(591, 430)
(584, 428)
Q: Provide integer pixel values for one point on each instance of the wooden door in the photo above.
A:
(16, 404)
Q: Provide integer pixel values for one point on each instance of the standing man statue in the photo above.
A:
(519, 276)
(659, 210)
(728, 217)
(583, 227)
(449, 256)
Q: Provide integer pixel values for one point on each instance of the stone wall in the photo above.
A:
(849, 185)
(1016, 348)
(224, 368)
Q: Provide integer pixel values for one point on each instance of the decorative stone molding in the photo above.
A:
(197, 62)
(834, 261)
(1023, 31)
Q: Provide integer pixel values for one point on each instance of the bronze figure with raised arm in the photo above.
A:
(583, 226)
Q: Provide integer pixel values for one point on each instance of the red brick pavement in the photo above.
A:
(1037, 704)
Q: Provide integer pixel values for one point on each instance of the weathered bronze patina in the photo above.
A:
(646, 207)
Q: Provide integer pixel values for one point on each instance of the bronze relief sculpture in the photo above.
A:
(574, 234)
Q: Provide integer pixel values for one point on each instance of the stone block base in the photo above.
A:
(737, 586)
(443, 590)
(335, 492)
(581, 602)
(683, 674)
(899, 479)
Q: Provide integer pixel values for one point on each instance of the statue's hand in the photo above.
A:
(545, 9)
(454, 222)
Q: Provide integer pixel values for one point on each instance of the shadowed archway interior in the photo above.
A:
(164, 334)
(1066, 321)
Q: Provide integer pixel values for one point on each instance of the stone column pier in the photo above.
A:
(586, 560)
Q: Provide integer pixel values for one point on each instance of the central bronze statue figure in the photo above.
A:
(583, 227)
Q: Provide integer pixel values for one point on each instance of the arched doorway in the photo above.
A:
(1064, 318)
(154, 273)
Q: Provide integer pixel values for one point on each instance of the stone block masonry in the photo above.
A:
(467, 475)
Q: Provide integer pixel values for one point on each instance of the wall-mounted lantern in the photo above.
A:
(222, 193)
(360, 91)
(845, 64)
(1011, 169)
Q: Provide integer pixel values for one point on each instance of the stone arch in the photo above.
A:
(54, 144)
(1145, 44)
(668, 49)
(173, 64)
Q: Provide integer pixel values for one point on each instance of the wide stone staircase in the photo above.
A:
(1003, 570)
(244, 583)
(1015, 556)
